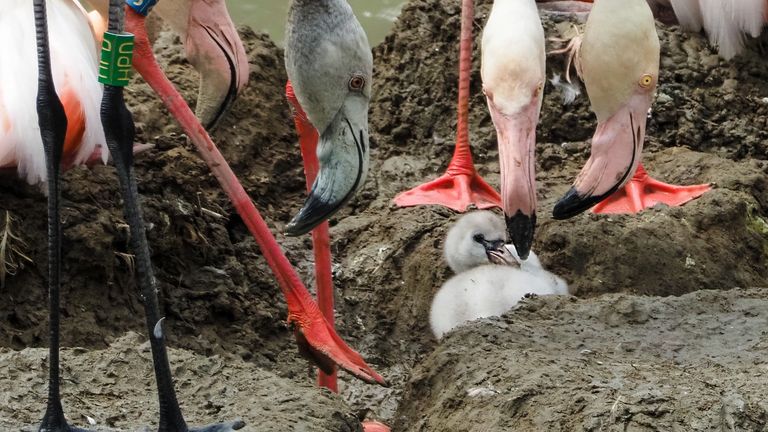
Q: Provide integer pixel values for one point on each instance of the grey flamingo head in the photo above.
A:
(330, 66)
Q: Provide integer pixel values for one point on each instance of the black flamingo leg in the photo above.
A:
(119, 131)
(53, 130)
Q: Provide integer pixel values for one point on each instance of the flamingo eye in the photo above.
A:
(356, 83)
(479, 238)
(646, 81)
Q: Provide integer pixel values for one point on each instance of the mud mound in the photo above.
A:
(693, 363)
(394, 255)
(115, 388)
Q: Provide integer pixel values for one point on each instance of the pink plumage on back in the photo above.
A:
(725, 21)
(688, 13)
(75, 65)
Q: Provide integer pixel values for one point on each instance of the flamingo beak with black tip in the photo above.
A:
(620, 65)
(513, 72)
(333, 86)
(214, 49)
(211, 45)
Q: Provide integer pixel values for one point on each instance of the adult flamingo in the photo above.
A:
(513, 77)
(316, 338)
(620, 65)
(513, 72)
(329, 61)
(56, 132)
(330, 69)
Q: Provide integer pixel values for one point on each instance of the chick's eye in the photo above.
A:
(356, 83)
(478, 238)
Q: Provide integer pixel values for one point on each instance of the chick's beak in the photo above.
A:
(499, 254)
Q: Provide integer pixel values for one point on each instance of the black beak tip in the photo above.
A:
(223, 109)
(296, 228)
(573, 204)
(520, 229)
(312, 214)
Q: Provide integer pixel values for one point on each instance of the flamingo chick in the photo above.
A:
(513, 71)
(620, 65)
(491, 279)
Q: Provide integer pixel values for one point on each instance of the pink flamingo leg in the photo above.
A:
(460, 186)
(321, 244)
(374, 426)
(643, 192)
(316, 337)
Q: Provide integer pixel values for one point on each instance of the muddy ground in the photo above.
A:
(665, 332)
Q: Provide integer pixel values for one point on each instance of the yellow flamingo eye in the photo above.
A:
(646, 81)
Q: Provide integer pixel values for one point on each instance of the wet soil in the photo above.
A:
(694, 358)
(562, 364)
(99, 392)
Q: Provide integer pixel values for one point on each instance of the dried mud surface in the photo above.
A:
(641, 347)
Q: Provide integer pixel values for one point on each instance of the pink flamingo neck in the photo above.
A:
(147, 66)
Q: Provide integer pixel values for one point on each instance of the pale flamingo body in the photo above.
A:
(75, 71)
(726, 22)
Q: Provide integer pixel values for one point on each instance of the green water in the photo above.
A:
(376, 16)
